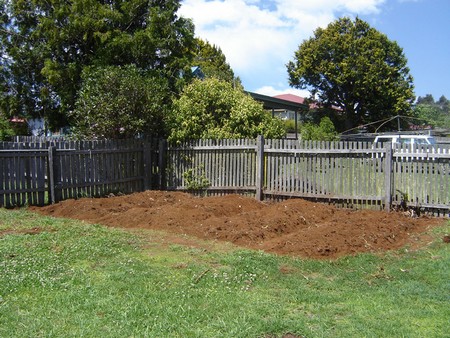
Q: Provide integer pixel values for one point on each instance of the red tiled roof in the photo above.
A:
(296, 99)
(291, 97)
(301, 100)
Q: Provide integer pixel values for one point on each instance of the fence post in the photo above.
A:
(388, 177)
(162, 164)
(51, 174)
(259, 167)
(147, 157)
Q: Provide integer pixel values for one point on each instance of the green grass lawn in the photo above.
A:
(63, 278)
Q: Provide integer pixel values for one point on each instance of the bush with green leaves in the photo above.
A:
(325, 131)
(120, 102)
(214, 109)
(433, 113)
(289, 126)
(5, 128)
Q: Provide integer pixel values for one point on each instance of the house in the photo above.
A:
(289, 114)
(278, 105)
(285, 109)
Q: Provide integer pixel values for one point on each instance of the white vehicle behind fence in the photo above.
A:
(407, 143)
(406, 139)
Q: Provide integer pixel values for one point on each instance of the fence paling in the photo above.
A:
(227, 165)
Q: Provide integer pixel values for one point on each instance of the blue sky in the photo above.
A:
(258, 37)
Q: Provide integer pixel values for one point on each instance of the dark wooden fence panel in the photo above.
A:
(36, 173)
(98, 168)
(23, 172)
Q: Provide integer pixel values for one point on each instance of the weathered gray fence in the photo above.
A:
(422, 177)
(346, 173)
(218, 166)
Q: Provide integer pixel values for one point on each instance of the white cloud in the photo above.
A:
(259, 37)
(271, 91)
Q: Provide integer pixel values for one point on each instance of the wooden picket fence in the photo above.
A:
(37, 173)
(213, 166)
(350, 174)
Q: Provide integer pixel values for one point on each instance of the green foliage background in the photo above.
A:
(324, 131)
(5, 128)
(214, 109)
(433, 113)
(212, 62)
(49, 43)
(120, 102)
(53, 54)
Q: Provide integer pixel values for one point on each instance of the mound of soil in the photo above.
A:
(293, 227)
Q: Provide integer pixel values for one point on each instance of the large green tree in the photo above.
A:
(214, 109)
(15, 87)
(120, 102)
(212, 61)
(355, 68)
(49, 42)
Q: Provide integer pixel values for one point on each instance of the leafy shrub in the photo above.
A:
(325, 131)
(214, 109)
(5, 129)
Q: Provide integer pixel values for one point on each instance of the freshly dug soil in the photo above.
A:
(293, 227)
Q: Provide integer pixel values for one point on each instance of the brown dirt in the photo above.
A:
(293, 227)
